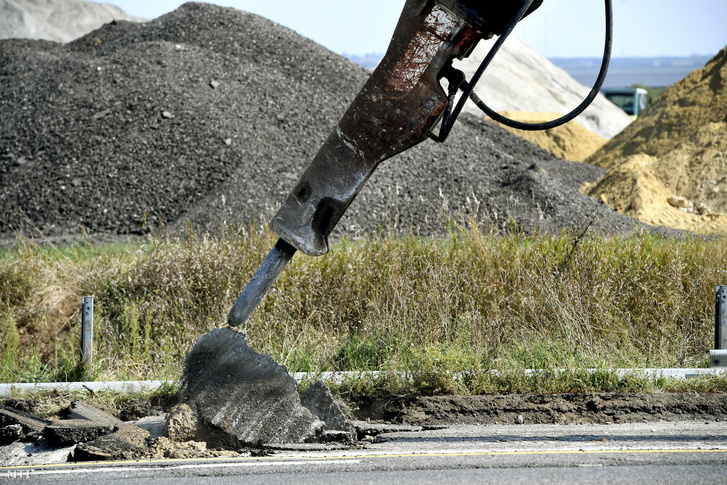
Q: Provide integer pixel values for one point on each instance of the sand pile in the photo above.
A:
(520, 79)
(207, 116)
(56, 20)
(570, 142)
(670, 166)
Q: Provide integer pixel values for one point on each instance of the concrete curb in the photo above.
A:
(7, 390)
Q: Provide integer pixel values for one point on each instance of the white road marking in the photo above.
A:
(125, 469)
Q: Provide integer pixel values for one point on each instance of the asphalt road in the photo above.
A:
(653, 452)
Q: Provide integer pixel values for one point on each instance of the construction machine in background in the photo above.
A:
(632, 100)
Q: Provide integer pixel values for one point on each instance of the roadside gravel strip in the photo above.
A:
(7, 390)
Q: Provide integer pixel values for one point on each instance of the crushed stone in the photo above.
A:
(86, 150)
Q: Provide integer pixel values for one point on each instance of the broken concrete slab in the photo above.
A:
(66, 432)
(243, 398)
(10, 434)
(82, 410)
(32, 425)
(321, 403)
(128, 442)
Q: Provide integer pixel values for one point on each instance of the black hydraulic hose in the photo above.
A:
(576, 111)
(448, 122)
(468, 91)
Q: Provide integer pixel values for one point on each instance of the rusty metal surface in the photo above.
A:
(487, 16)
(394, 111)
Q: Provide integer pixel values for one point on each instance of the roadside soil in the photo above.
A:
(565, 408)
(587, 408)
(380, 414)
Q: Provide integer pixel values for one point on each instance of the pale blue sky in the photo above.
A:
(560, 28)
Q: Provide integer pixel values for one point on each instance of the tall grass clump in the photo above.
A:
(35, 311)
(497, 301)
(471, 302)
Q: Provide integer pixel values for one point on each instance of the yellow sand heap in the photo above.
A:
(636, 188)
(669, 167)
(570, 142)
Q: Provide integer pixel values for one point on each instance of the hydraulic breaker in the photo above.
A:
(398, 107)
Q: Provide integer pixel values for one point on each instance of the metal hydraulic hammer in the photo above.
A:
(397, 108)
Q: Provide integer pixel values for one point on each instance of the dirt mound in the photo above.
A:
(541, 408)
(520, 79)
(570, 142)
(645, 187)
(206, 117)
(56, 20)
(669, 167)
(677, 115)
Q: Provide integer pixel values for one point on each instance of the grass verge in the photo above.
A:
(470, 303)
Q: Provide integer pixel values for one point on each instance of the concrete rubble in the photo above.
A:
(84, 432)
(31, 426)
(233, 400)
(319, 401)
(127, 442)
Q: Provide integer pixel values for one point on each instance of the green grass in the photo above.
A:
(469, 303)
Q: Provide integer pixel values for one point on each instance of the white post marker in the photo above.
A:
(720, 318)
(87, 331)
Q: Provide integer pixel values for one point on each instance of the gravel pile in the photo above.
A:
(205, 117)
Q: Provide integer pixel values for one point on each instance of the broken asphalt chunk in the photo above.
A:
(82, 410)
(32, 426)
(66, 432)
(243, 398)
(128, 442)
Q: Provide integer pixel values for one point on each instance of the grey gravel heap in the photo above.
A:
(206, 117)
